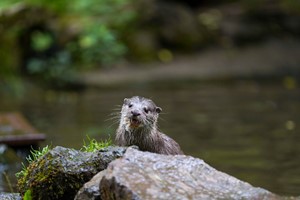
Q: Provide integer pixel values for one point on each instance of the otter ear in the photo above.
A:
(126, 101)
(158, 109)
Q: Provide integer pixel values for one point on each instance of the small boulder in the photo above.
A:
(61, 172)
(144, 175)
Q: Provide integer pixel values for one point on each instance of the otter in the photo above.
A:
(138, 126)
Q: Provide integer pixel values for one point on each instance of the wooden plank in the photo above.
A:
(15, 130)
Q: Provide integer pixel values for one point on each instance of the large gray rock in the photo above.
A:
(61, 172)
(143, 175)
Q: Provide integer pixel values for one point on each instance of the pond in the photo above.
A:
(247, 129)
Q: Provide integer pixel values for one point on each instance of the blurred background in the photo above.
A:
(225, 72)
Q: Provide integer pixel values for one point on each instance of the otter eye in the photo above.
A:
(146, 110)
(130, 105)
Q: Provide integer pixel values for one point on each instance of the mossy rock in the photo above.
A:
(61, 172)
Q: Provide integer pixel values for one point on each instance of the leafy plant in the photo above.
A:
(101, 23)
(76, 36)
(100, 45)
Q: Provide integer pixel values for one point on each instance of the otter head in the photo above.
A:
(139, 113)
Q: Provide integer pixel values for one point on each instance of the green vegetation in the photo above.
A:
(67, 38)
(41, 167)
(70, 37)
(93, 145)
(27, 195)
(35, 154)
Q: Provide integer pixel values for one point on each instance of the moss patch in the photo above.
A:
(59, 173)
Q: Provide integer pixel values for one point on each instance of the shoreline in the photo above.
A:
(271, 58)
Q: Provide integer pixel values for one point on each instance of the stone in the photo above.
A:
(10, 196)
(90, 190)
(61, 172)
(144, 175)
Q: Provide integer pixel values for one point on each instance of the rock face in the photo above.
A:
(61, 172)
(143, 175)
(90, 190)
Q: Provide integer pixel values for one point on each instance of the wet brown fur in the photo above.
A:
(145, 135)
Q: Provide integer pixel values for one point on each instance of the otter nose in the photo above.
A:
(135, 113)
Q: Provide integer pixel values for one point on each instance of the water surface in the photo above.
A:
(247, 129)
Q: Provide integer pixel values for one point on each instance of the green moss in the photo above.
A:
(44, 167)
(23, 175)
(43, 173)
(35, 154)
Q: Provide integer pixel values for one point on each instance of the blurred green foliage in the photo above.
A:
(95, 25)
(100, 45)
(71, 36)
(41, 41)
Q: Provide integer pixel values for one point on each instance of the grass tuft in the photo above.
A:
(93, 145)
(35, 154)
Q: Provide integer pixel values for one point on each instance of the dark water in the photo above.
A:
(247, 129)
